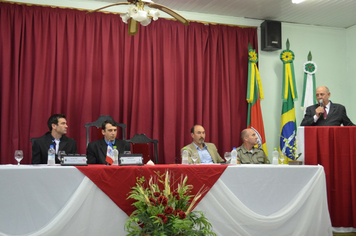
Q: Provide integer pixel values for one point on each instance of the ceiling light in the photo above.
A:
(139, 14)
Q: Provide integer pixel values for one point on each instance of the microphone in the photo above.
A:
(321, 104)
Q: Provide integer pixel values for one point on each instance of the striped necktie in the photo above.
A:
(325, 113)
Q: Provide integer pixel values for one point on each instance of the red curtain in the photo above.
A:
(334, 149)
(159, 82)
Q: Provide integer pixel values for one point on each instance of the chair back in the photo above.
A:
(33, 140)
(140, 144)
(98, 123)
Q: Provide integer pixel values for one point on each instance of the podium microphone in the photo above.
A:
(321, 104)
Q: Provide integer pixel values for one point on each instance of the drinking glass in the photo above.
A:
(60, 155)
(282, 157)
(194, 157)
(18, 156)
(227, 157)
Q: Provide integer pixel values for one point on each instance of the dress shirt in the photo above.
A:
(326, 108)
(204, 155)
(107, 142)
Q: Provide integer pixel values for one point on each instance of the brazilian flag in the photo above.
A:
(288, 126)
(289, 95)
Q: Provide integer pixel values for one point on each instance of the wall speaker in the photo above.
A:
(271, 36)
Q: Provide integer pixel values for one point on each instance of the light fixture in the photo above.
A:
(139, 14)
(136, 13)
(297, 1)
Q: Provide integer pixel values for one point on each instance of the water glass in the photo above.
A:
(282, 157)
(18, 156)
(227, 157)
(194, 157)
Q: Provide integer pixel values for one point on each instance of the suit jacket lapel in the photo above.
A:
(332, 108)
(209, 150)
(62, 144)
(194, 149)
(103, 149)
(49, 141)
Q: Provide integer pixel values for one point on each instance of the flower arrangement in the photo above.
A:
(167, 211)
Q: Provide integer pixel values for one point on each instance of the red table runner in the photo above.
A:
(116, 181)
(335, 149)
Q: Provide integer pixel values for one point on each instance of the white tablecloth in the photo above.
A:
(246, 200)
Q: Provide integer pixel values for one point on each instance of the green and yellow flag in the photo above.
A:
(289, 95)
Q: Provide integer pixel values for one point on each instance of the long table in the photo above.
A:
(335, 149)
(245, 200)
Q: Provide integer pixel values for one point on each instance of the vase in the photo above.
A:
(295, 163)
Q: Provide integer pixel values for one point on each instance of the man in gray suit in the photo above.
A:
(207, 152)
(329, 114)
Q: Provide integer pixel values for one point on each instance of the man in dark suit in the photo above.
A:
(329, 114)
(96, 150)
(57, 125)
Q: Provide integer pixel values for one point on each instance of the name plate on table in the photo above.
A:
(130, 159)
(74, 160)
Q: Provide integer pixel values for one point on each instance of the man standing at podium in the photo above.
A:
(325, 113)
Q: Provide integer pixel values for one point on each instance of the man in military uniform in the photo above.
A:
(247, 152)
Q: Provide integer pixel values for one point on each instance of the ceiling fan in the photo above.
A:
(136, 13)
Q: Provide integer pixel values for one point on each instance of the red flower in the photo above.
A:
(162, 200)
(163, 217)
(152, 200)
(156, 194)
(168, 210)
(182, 215)
(176, 212)
(176, 195)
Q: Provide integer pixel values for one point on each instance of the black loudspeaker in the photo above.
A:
(271, 36)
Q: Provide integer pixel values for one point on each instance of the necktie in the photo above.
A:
(325, 113)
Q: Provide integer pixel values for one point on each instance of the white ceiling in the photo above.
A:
(330, 13)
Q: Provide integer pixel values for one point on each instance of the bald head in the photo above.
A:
(244, 134)
(323, 93)
(324, 88)
(249, 138)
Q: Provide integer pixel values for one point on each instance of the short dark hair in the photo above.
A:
(192, 129)
(111, 122)
(54, 120)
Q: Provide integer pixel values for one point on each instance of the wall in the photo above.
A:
(350, 61)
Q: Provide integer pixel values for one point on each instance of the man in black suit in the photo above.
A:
(96, 150)
(329, 114)
(57, 125)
